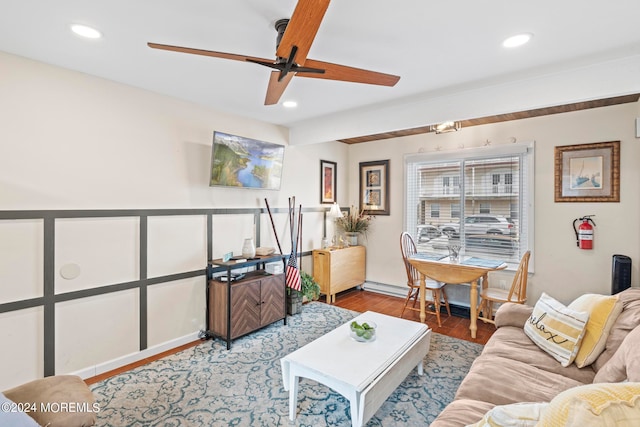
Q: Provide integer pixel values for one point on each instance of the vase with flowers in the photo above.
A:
(354, 223)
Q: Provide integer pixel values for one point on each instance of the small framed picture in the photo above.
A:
(374, 187)
(588, 172)
(328, 177)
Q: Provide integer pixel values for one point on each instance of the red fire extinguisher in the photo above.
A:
(584, 233)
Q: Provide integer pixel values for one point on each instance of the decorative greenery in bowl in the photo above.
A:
(363, 332)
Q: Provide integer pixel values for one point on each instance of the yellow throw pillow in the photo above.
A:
(604, 404)
(556, 329)
(603, 311)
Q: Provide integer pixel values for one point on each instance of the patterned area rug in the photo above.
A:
(207, 385)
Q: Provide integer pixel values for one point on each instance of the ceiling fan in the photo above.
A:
(293, 42)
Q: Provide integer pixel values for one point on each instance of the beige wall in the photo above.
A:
(561, 269)
(73, 141)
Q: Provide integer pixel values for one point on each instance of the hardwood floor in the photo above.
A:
(458, 327)
(361, 301)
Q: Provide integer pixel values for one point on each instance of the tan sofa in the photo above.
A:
(512, 369)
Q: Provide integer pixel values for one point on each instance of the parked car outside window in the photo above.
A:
(427, 232)
(481, 224)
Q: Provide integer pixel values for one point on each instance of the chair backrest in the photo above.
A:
(518, 291)
(408, 248)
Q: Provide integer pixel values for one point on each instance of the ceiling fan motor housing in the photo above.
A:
(281, 25)
(303, 26)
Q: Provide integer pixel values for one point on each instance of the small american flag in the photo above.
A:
(292, 275)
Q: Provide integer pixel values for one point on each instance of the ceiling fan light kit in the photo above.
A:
(293, 43)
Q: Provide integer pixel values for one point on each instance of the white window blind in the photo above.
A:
(484, 200)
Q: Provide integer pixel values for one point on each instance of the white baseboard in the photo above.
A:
(119, 362)
(383, 288)
(457, 294)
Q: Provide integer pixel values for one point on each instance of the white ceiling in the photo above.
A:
(441, 49)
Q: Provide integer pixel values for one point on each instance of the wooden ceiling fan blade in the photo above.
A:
(211, 53)
(348, 74)
(276, 88)
(302, 29)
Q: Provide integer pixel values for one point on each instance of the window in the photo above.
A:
(489, 197)
(455, 210)
(496, 183)
(508, 182)
(435, 210)
(451, 184)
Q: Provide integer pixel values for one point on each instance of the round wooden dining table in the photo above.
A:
(453, 272)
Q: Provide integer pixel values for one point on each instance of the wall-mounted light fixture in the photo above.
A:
(445, 127)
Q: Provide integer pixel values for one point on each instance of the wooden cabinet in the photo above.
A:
(237, 308)
(338, 269)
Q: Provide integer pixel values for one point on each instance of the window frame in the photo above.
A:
(525, 195)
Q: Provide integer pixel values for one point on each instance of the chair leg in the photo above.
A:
(436, 303)
(482, 309)
(416, 297)
(406, 302)
(410, 294)
(446, 302)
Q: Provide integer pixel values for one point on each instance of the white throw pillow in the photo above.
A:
(556, 329)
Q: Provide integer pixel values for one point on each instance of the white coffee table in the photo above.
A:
(365, 373)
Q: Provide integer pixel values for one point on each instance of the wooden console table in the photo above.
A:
(337, 270)
(236, 308)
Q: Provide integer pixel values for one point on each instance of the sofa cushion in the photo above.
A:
(603, 311)
(625, 323)
(512, 314)
(625, 364)
(603, 404)
(556, 329)
(502, 380)
(511, 343)
(15, 416)
(461, 412)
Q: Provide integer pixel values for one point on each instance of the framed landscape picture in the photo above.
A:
(374, 187)
(588, 172)
(242, 162)
(328, 177)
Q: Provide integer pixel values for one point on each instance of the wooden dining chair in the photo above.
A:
(408, 248)
(517, 293)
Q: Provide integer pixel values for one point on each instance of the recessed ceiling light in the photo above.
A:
(517, 40)
(290, 104)
(84, 31)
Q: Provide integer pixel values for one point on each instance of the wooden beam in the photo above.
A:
(577, 106)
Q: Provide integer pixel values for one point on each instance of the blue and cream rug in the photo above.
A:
(207, 385)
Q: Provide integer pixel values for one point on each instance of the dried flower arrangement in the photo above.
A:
(354, 221)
